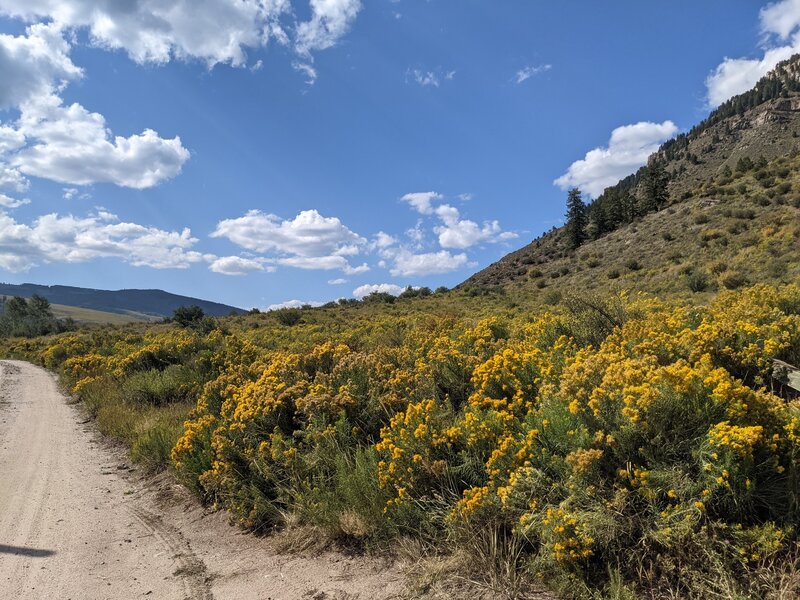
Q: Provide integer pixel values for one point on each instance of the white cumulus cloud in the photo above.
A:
(237, 265)
(384, 288)
(309, 241)
(9, 202)
(422, 202)
(454, 232)
(293, 304)
(330, 21)
(212, 31)
(627, 150)
(34, 64)
(383, 240)
(151, 31)
(409, 264)
(68, 144)
(779, 24)
(53, 238)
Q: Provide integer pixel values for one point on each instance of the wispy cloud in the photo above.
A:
(429, 78)
(526, 73)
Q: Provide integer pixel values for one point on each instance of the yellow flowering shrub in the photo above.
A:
(593, 444)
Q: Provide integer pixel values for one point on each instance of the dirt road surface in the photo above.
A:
(76, 523)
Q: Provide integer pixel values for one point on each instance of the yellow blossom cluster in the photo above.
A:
(565, 536)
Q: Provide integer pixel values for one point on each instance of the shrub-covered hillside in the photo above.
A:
(620, 444)
(689, 207)
(737, 228)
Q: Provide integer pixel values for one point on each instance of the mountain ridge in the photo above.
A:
(148, 302)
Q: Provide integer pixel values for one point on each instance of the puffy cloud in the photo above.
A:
(52, 239)
(322, 263)
(409, 264)
(293, 304)
(422, 202)
(237, 265)
(69, 144)
(779, 22)
(384, 288)
(8, 202)
(527, 72)
(737, 75)
(383, 240)
(780, 18)
(454, 232)
(71, 193)
(338, 281)
(463, 233)
(330, 21)
(362, 268)
(309, 234)
(215, 31)
(627, 150)
(11, 178)
(309, 241)
(34, 64)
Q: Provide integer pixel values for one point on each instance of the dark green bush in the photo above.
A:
(288, 316)
(697, 281)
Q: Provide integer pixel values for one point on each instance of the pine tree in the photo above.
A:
(576, 218)
(654, 193)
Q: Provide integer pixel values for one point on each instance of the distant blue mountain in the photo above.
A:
(157, 303)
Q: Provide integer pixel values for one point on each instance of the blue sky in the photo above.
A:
(261, 151)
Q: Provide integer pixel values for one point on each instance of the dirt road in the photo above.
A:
(77, 524)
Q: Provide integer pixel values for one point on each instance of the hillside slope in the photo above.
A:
(137, 303)
(731, 216)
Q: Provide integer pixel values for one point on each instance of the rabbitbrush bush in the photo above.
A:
(647, 444)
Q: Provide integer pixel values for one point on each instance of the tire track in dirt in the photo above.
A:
(191, 568)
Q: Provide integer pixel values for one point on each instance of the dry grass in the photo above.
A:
(88, 316)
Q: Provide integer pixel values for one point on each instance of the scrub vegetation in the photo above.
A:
(609, 445)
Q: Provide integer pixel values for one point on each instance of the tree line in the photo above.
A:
(20, 317)
(629, 200)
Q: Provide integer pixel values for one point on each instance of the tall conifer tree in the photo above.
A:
(576, 218)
